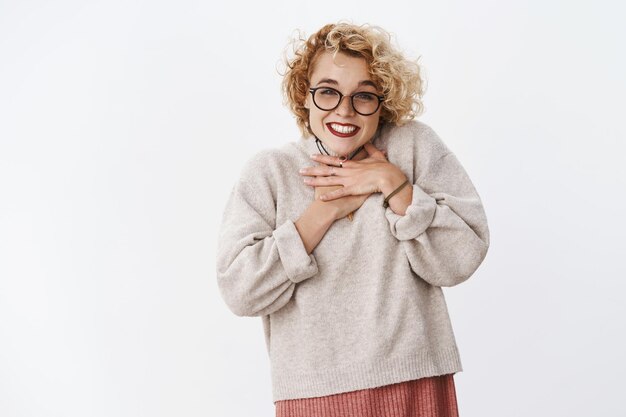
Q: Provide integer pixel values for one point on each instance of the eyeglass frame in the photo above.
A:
(341, 96)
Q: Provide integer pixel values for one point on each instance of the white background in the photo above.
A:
(124, 124)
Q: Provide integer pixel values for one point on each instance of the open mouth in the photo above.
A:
(342, 130)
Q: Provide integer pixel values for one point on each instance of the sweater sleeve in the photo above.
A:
(444, 230)
(258, 263)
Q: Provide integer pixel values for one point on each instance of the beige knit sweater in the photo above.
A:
(366, 308)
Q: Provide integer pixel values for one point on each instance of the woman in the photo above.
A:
(343, 240)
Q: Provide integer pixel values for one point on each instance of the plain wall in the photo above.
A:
(124, 125)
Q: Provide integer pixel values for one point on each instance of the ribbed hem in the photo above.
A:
(357, 377)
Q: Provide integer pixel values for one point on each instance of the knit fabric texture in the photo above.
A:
(433, 396)
(366, 308)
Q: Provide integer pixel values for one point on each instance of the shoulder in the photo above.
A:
(266, 170)
(416, 136)
(267, 161)
(414, 145)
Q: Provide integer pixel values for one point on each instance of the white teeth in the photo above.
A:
(343, 129)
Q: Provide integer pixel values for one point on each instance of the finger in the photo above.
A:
(322, 170)
(374, 151)
(323, 181)
(333, 195)
(332, 160)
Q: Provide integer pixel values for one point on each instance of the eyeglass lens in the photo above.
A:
(363, 103)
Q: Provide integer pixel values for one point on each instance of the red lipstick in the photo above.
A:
(340, 134)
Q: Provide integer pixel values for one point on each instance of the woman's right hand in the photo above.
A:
(344, 205)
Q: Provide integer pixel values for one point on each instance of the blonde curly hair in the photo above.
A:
(398, 77)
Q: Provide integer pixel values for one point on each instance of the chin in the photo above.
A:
(339, 145)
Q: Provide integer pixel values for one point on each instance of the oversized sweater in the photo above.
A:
(366, 307)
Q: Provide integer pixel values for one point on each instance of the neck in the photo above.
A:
(361, 155)
(325, 150)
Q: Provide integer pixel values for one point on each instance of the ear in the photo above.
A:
(307, 105)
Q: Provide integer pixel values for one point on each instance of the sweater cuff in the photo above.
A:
(419, 215)
(298, 264)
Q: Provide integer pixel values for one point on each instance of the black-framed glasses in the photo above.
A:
(364, 103)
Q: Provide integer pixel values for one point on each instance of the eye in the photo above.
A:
(328, 92)
(365, 97)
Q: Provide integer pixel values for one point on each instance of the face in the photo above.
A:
(348, 75)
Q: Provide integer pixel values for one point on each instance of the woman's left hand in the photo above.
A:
(357, 177)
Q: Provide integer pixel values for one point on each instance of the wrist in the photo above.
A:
(391, 181)
(326, 213)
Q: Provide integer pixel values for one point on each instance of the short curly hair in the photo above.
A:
(398, 77)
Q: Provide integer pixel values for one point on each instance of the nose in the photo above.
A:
(344, 107)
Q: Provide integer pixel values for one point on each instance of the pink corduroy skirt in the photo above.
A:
(424, 397)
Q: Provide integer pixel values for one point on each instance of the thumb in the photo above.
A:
(374, 151)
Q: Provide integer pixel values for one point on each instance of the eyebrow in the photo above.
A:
(334, 82)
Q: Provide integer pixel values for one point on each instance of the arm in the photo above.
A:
(259, 263)
(400, 201)
(444, 229)
(314, 223)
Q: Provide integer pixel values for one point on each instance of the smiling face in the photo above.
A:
(342, 130)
